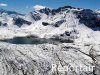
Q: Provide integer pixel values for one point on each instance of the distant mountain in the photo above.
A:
(9, 12)
(11, 18)
(86, 16)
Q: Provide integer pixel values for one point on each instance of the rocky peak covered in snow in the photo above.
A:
(61, 9)
(12, 18)
(42, 9)
(32, 16)
(86, 16)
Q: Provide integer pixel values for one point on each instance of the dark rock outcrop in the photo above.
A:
(19, 22)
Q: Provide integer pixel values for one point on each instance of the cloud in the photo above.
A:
(3, 5)
(38, 7)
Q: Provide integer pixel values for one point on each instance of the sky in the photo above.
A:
(24, 6)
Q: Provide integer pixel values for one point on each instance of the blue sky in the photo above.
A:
(25, 6)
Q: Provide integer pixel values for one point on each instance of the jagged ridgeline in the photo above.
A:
(86, 16)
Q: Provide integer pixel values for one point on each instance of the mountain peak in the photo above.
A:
(42, 9)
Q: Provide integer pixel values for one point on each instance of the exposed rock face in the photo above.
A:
(46, 11)
(45, 23)
(33, 16)
(19, 22)
(3, 24)
(87, 17)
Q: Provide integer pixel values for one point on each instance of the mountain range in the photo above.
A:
(86, 16)
(45, 41)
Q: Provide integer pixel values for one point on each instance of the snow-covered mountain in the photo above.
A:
(86, 16)
(45, 41)
(11, 18)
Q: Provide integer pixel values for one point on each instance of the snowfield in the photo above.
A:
(75, 44)
(38, 59)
